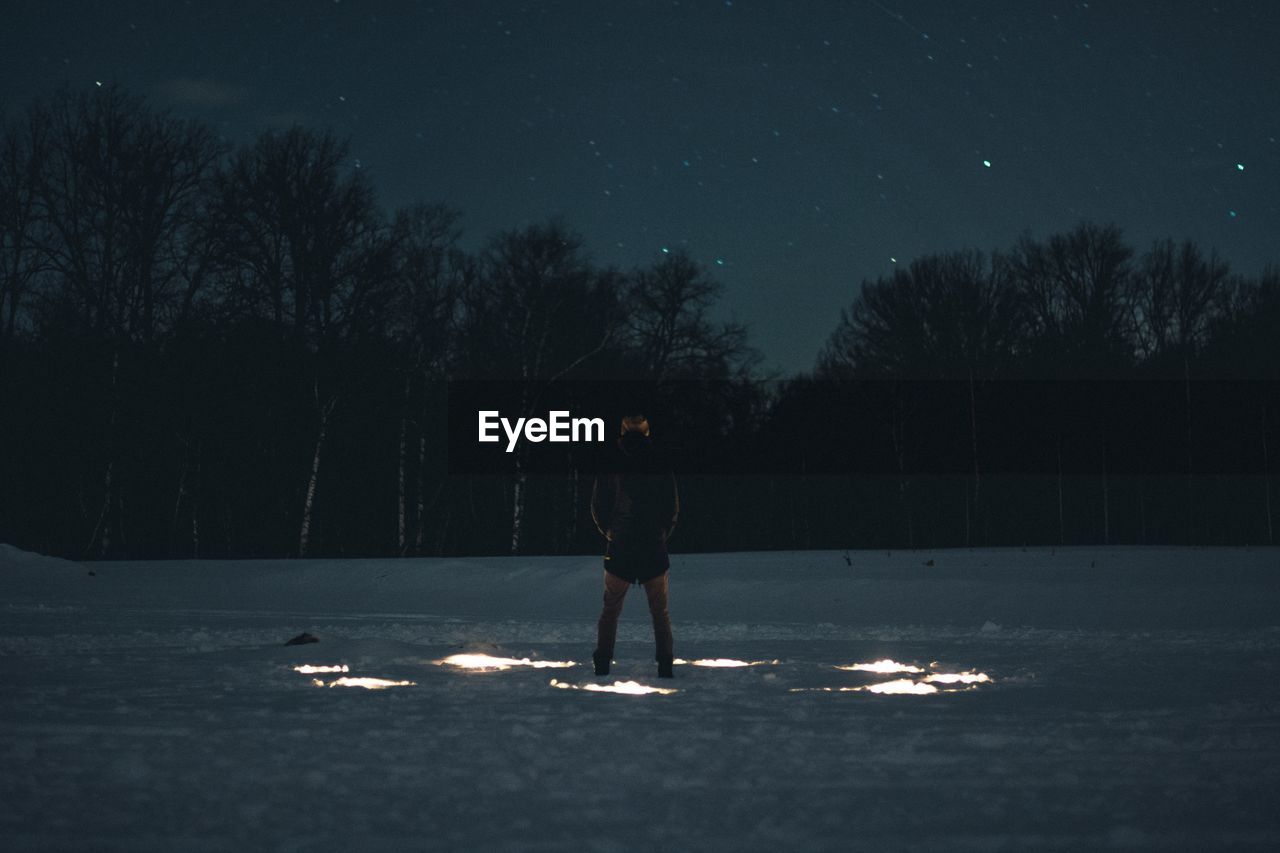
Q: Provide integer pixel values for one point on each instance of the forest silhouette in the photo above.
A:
(216, 351)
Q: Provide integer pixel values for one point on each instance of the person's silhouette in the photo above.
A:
(635, 504)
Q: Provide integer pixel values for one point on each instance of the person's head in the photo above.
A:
(635, 423)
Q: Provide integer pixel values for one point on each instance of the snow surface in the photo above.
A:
(1130, 702)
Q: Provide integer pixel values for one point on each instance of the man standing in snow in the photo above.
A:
(635, 506)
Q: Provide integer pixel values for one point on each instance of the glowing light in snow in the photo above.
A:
(987, 163)
(721, 662)
(308, 669)
(725, 663)
(882, 666)
(967, 680)
(900, 685)
(958, 677)
(366, 683)
(488, 663)
(1239, 167)
(629, 688)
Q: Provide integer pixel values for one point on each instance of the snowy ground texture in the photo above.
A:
(1132, 704)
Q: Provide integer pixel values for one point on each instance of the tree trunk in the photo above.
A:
(1061, 533)
(1266, 475)
(421, 521)
(182, 485)
(401, 540)
(973, 435)
(517, 504)
(195, 506)
(102, 530)
(896, 428)
(304, 532)
(189, 496)
(1186, 375)
(574, 508)
(1106, 499)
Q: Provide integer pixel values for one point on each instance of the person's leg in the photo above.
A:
(657, 592)
(615, 591)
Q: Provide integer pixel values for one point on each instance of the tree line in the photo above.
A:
(217, 351)
(1095, 324)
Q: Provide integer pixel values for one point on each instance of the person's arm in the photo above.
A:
(675, 507)
(596, 508)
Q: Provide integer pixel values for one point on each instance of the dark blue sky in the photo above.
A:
(795, 147)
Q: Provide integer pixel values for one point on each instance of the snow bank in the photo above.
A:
(15, 558)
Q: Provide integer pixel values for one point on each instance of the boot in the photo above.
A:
(601, 662)
(664, 668)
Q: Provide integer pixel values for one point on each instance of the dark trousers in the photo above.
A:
(615, 591)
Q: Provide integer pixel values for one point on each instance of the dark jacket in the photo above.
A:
(635, 504)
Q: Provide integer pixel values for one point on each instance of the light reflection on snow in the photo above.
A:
(367, 683)
(958, 677)
(966, 680)
(725, 663)
(488, 663)
(885, 666)
(309, 669)
(629, 688)
(900, 685)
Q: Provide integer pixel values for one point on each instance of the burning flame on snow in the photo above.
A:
(366, 683)
(885, 666)
(488, 663)
(309, 669)
(630, 688)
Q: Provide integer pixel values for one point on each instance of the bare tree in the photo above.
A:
(953, 315)
(669, 328)
(309, 246)
(1073, 289)
(118, 196)
(122, 192)
(1244, 340)
(1174, 297)
(307, 249)
(1172, 301)
(429, 274)
(537, 312)
(23, 232)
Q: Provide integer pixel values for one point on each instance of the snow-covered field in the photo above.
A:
(1130, 701)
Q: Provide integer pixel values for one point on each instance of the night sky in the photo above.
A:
(797, 148)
